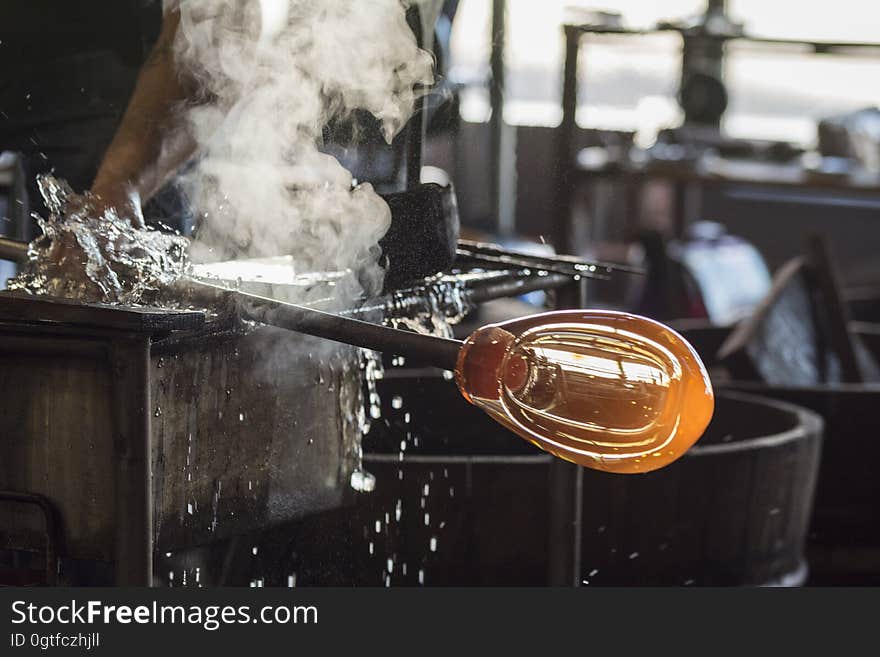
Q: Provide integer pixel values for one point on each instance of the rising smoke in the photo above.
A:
(274, 73)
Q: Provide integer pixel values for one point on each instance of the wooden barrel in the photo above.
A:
(733, 511)
(863, 303)
(845, 529)
(459, 500)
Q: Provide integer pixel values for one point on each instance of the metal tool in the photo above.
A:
(13, 250)
(605, 390)
(562, 264)
(609, 391)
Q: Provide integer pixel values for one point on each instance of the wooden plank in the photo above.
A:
(833, 312)
(800, 334)
(779, 343)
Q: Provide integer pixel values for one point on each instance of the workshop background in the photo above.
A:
(712, 165)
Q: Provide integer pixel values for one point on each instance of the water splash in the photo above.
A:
(433, 309)
(95, 255)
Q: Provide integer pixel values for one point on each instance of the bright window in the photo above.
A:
(632, 81)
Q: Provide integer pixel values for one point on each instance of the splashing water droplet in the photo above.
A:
(95, 255)
(363, 482)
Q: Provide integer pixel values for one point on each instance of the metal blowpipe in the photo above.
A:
(605, 390)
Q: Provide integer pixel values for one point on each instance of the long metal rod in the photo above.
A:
(416, 129)
(492, 261)
(500, 285)
(566, 483)
(502, 177)
(13, 250)
(515, 287)
(819, 47)
(562, 263)
(563, 238)
(424, 349)
(17, 252)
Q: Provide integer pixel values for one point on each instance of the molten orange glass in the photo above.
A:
(608, 391)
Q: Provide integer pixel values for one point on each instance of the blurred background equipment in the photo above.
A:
(709, 274)
(664, 121)
(712, 164)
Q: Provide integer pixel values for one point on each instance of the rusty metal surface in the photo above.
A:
(133, 502)
(250, 430)
(247, 429)
(57, 428)
(24, 308)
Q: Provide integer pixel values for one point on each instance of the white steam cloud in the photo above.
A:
(273, 73)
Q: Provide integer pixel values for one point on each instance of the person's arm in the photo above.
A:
(141, 156)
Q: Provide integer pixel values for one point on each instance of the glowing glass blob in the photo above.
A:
(608, 391)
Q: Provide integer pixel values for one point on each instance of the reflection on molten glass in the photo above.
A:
(606, 390)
